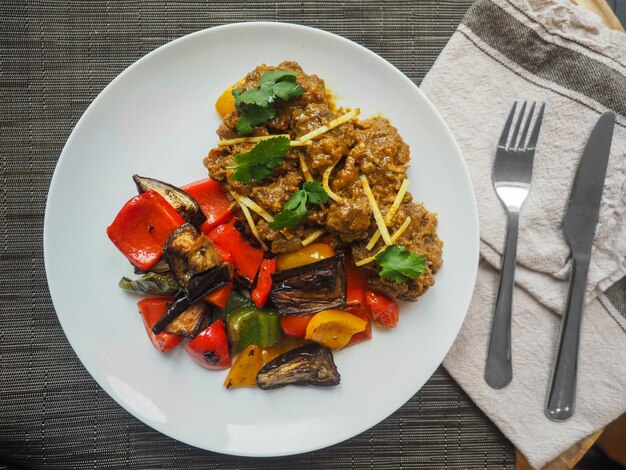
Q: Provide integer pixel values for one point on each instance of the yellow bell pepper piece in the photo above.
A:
(306, 255)
(287, 343)
(245, 368)
(225, 104)
(334, 328)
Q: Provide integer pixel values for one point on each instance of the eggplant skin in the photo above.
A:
(191, 321)
(310, 288)
(185, 205)
(204, 283)
(311, 364)
(177, 307)
(184, 317)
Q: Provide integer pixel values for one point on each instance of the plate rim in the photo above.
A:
(53, 187)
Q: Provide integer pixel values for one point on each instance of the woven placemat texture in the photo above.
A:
(55, 57)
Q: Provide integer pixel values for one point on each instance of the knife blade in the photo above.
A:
(579, 227)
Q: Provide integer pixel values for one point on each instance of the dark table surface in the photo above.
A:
(55, 57)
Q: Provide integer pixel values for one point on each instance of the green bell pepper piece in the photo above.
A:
(235, 300)
(151, 284)
(251, 325)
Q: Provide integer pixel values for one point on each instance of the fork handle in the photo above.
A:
(562, 390)
(498, 370)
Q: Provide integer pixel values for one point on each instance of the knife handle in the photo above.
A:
(499, 370)
(562, 390)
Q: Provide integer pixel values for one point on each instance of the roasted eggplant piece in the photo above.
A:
(189, 252)
(311, 364)
(177, 307)
(184, 317)
(195, 262)
(310, 288)
(151, 284)
(205, 283)
(193, 320)
(184, 204)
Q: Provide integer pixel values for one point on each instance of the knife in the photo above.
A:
(579, 227)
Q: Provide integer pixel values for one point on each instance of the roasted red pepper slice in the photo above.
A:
(385, 311)
(141, 228)
(264, 282)
(219, 297)
(226, 256)
(212, 200)
(356, 284)
(210, 347)
(246, 258)
(151, 310)
(362, 312)
(295, 325)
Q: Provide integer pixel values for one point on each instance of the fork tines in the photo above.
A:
(514, 140)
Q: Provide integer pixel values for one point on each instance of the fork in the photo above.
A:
(511, 176)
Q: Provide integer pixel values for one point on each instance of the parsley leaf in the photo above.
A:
(295, 209)
(287, 89)
(255, 116)
(258, 162)
(398, 264)
(298, 199)
(315, 192)
(256, 105)
(272, 77)
(288, 218)
(257, 96)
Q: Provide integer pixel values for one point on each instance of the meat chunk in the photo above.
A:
(371, 147)
(272, 196)
(381, 154)
(305, 120)
(349, 219)
(420, 237)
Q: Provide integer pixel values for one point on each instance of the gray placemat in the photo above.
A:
(55, 57)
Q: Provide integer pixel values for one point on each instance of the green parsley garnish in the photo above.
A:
(252, 116)
(256, 105)
(398, 264)
(258, 162)
(295, 209)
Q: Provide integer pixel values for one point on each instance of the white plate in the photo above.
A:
(157, 119)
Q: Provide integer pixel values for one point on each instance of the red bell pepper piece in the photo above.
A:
(219, 297)
(213, 202)
(226, 256)
(246, 258)
(361, 311)
(142, 227)
(151, 310)
(210, 347)
(385, 311)
(295, 325)
(261, 292)
(356, 284)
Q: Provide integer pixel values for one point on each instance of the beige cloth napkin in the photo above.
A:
(552, 51)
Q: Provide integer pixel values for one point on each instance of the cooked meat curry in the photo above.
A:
(339, 157)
